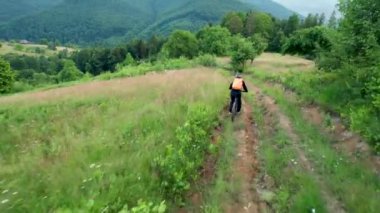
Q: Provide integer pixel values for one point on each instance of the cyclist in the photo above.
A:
(236, 87)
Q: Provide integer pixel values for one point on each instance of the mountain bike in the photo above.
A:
(234, 111)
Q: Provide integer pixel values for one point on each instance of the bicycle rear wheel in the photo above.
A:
(234, 110)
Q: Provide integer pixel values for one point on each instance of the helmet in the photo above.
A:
(238, 75)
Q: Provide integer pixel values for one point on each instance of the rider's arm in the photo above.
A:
(245, 87)
(231, 86)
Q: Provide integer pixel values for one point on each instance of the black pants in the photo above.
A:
(235, 96)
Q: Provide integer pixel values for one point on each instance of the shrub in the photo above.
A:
(306, 42)
(207, 60)
(214, 40)
(6, 76)
(182, 159)
(242, 51)
(182, 44)
(19, 86)
(69, 72)
(145, 207)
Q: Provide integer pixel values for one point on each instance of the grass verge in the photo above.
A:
(357, 187)
(96, 153)
(294, 190)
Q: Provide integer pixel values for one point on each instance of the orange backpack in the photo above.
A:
(237, 84)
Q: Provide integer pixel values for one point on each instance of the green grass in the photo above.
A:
(144, 68)
(29, 49)
(333, 94)
(353, 183)
(128, 71)
(96, 153)
(295, 190)
(223, 189)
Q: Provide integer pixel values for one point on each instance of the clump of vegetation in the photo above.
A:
(242, 52)
(207, 60)
(110, 164)
(349, 56)
(69, 72)
(6, 77)
(182, 43)
(182, 159)
(214, 40)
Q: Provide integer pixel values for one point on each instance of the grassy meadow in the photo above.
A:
(94, 147)
(30, 49)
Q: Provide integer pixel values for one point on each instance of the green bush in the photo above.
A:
(183, 158)
(182, 44)
(20, 86)
(242, 50)
(18, 47)
(214, 40)
(145, 207)
(207, 60)
(69, 72)
(7, 76)
(366, 122)
(307, 42)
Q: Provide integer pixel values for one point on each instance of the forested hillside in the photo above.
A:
(89, 21)
(11, 10)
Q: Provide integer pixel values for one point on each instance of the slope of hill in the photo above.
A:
(88, 21)
(11, 10)
(270, 6)
(105, 146)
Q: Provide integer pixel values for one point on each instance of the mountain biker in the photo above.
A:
(236, 87)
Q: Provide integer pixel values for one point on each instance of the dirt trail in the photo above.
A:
(333, 204)
(347, 141)
(246, 168)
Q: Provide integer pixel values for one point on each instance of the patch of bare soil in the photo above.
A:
(246, 168)
(270, 105)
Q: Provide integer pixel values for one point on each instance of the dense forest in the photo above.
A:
(12, 10)
(252, 31)
(94, 21)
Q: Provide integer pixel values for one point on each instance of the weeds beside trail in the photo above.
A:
(339, 184)
(301, 169)
(105, 146)
(148, 144)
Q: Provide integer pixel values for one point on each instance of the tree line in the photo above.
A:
(242, 36)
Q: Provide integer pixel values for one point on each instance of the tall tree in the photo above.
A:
(310, 21)
(214, 40)
(7, 77)
(182, 43)
(69, 72)
(292, 24)
(257, 22)
(333, 21)
(233, 22)
(249, 25)
(242, 51)
(322, 19)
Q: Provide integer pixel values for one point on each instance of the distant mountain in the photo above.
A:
(271, 7)
(14, 9)
(88, 21)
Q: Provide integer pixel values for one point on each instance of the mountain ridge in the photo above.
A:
(89, 21)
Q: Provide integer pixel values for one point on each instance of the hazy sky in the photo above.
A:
(310, 6)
